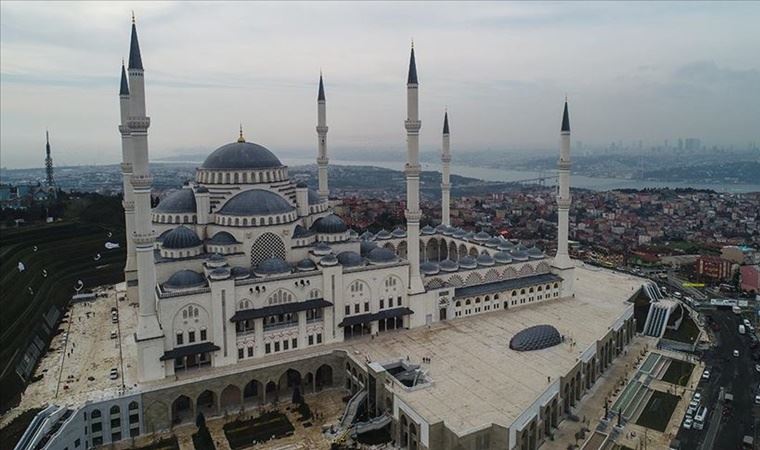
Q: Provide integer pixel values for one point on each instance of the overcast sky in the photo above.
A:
(650, 71)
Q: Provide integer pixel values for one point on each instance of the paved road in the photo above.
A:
(736, 376)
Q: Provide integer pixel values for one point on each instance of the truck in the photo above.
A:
(742, 329)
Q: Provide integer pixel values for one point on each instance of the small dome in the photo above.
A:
(329, 260)
(536, 337)
(535, 253)
(223, 238)
(383, 235)
(321, 249)
(448, 265)
(484, 259)
(468, 262)
(441, 228)
(329, 224)
(241, 156)
(482, 236)
(306, 265)
(381, 256)
(469, 235)
(185, 279)
(502, 257)
(314, 197)
(505, 246)
(427, 230)
(181, 237)
(161, 237)
(493, 242)
(221, 273)
(179, 201)
(398, 232)
(256, 202)
(216, 260)
(459, 233)
(366, 246)
(449, 231)
(518, 255)
(301, 185)
(352, 233)
(240, 273)
(272, 266)
(350, 259)
(366, 236)
(429, 268)
(520, 248)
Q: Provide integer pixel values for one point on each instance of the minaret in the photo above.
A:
(412, 170)
(562, 260)
(149, 336)
(322, 160)
(130, 268)
(48, 162)
(445, 182)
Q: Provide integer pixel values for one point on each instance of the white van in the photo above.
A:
(699, 418)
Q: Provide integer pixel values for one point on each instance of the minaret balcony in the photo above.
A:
(413, 217)
(124, 130)
(412, 125)
(563, 203)
(412, 170)
(141, 181)
(126, 167)
(138, 123)
(322, 161)
(321, 129)
(144, 240)
(446, 158)
(128, 205)
(446, 186)
(564, 164)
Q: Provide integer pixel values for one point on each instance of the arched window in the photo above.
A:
(115, 409)
(95, 414)
(467, 302)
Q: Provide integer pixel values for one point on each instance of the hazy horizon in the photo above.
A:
(650, 71)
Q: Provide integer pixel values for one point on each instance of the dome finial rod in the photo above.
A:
(241, 138)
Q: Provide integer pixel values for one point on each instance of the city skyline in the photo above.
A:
(502, 70)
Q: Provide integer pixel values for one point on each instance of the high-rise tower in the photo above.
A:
(412, 171)
(130, 268)
(445, 182)
(48, 163)
(562, 260)
(322, 160)
(149, 335)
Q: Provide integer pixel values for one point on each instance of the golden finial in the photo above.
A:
(241, 138)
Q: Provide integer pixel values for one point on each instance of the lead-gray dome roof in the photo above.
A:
(429, 268)
(350, 259)
(536, 337)
(313, 197)
(381, 255)
(272, 266)
(179, 201)
(305, 265)
(185, 279)
(329, 224)
(240, 156)
(181, 237)
(223, 238)
(448, 265)
(468, 262)
(366, 246)
(256, 202)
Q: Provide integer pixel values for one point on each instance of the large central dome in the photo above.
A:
(241, 155)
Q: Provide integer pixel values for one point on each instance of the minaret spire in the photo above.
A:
(322, 160)
(445, 173)
(135, 59)
(562, 260)
(412, 171)
(124, 89)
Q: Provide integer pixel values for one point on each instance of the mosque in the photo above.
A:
(249, 287)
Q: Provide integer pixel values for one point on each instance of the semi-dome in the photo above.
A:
(179, 201)
(484, 259)
(256, 202)
(329, 224)
(502, 257)
(301, 232)
(223, 238)
(366, 246)
(428, 230)
(468, 262)
(305, 265)
(536, 337)
(448, 265)
(350, 259)
(185, 279)
(240, 272)
(181, 237)
(272, 266)
(429, 268)
(381, 255)
(241, 156)
(314, 197)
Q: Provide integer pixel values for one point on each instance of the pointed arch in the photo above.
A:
(453, 254)
(402, 249)
(431, 250)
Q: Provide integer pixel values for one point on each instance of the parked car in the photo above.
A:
(706, 375)
(687, 423)
(697, 397)
(736, 353)
(114, 335)
(757, 399)
(114, 374)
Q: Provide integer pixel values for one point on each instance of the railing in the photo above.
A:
(278, 326)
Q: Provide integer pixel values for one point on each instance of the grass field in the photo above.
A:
(657, 412)
(55, 257)
(678, 372)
